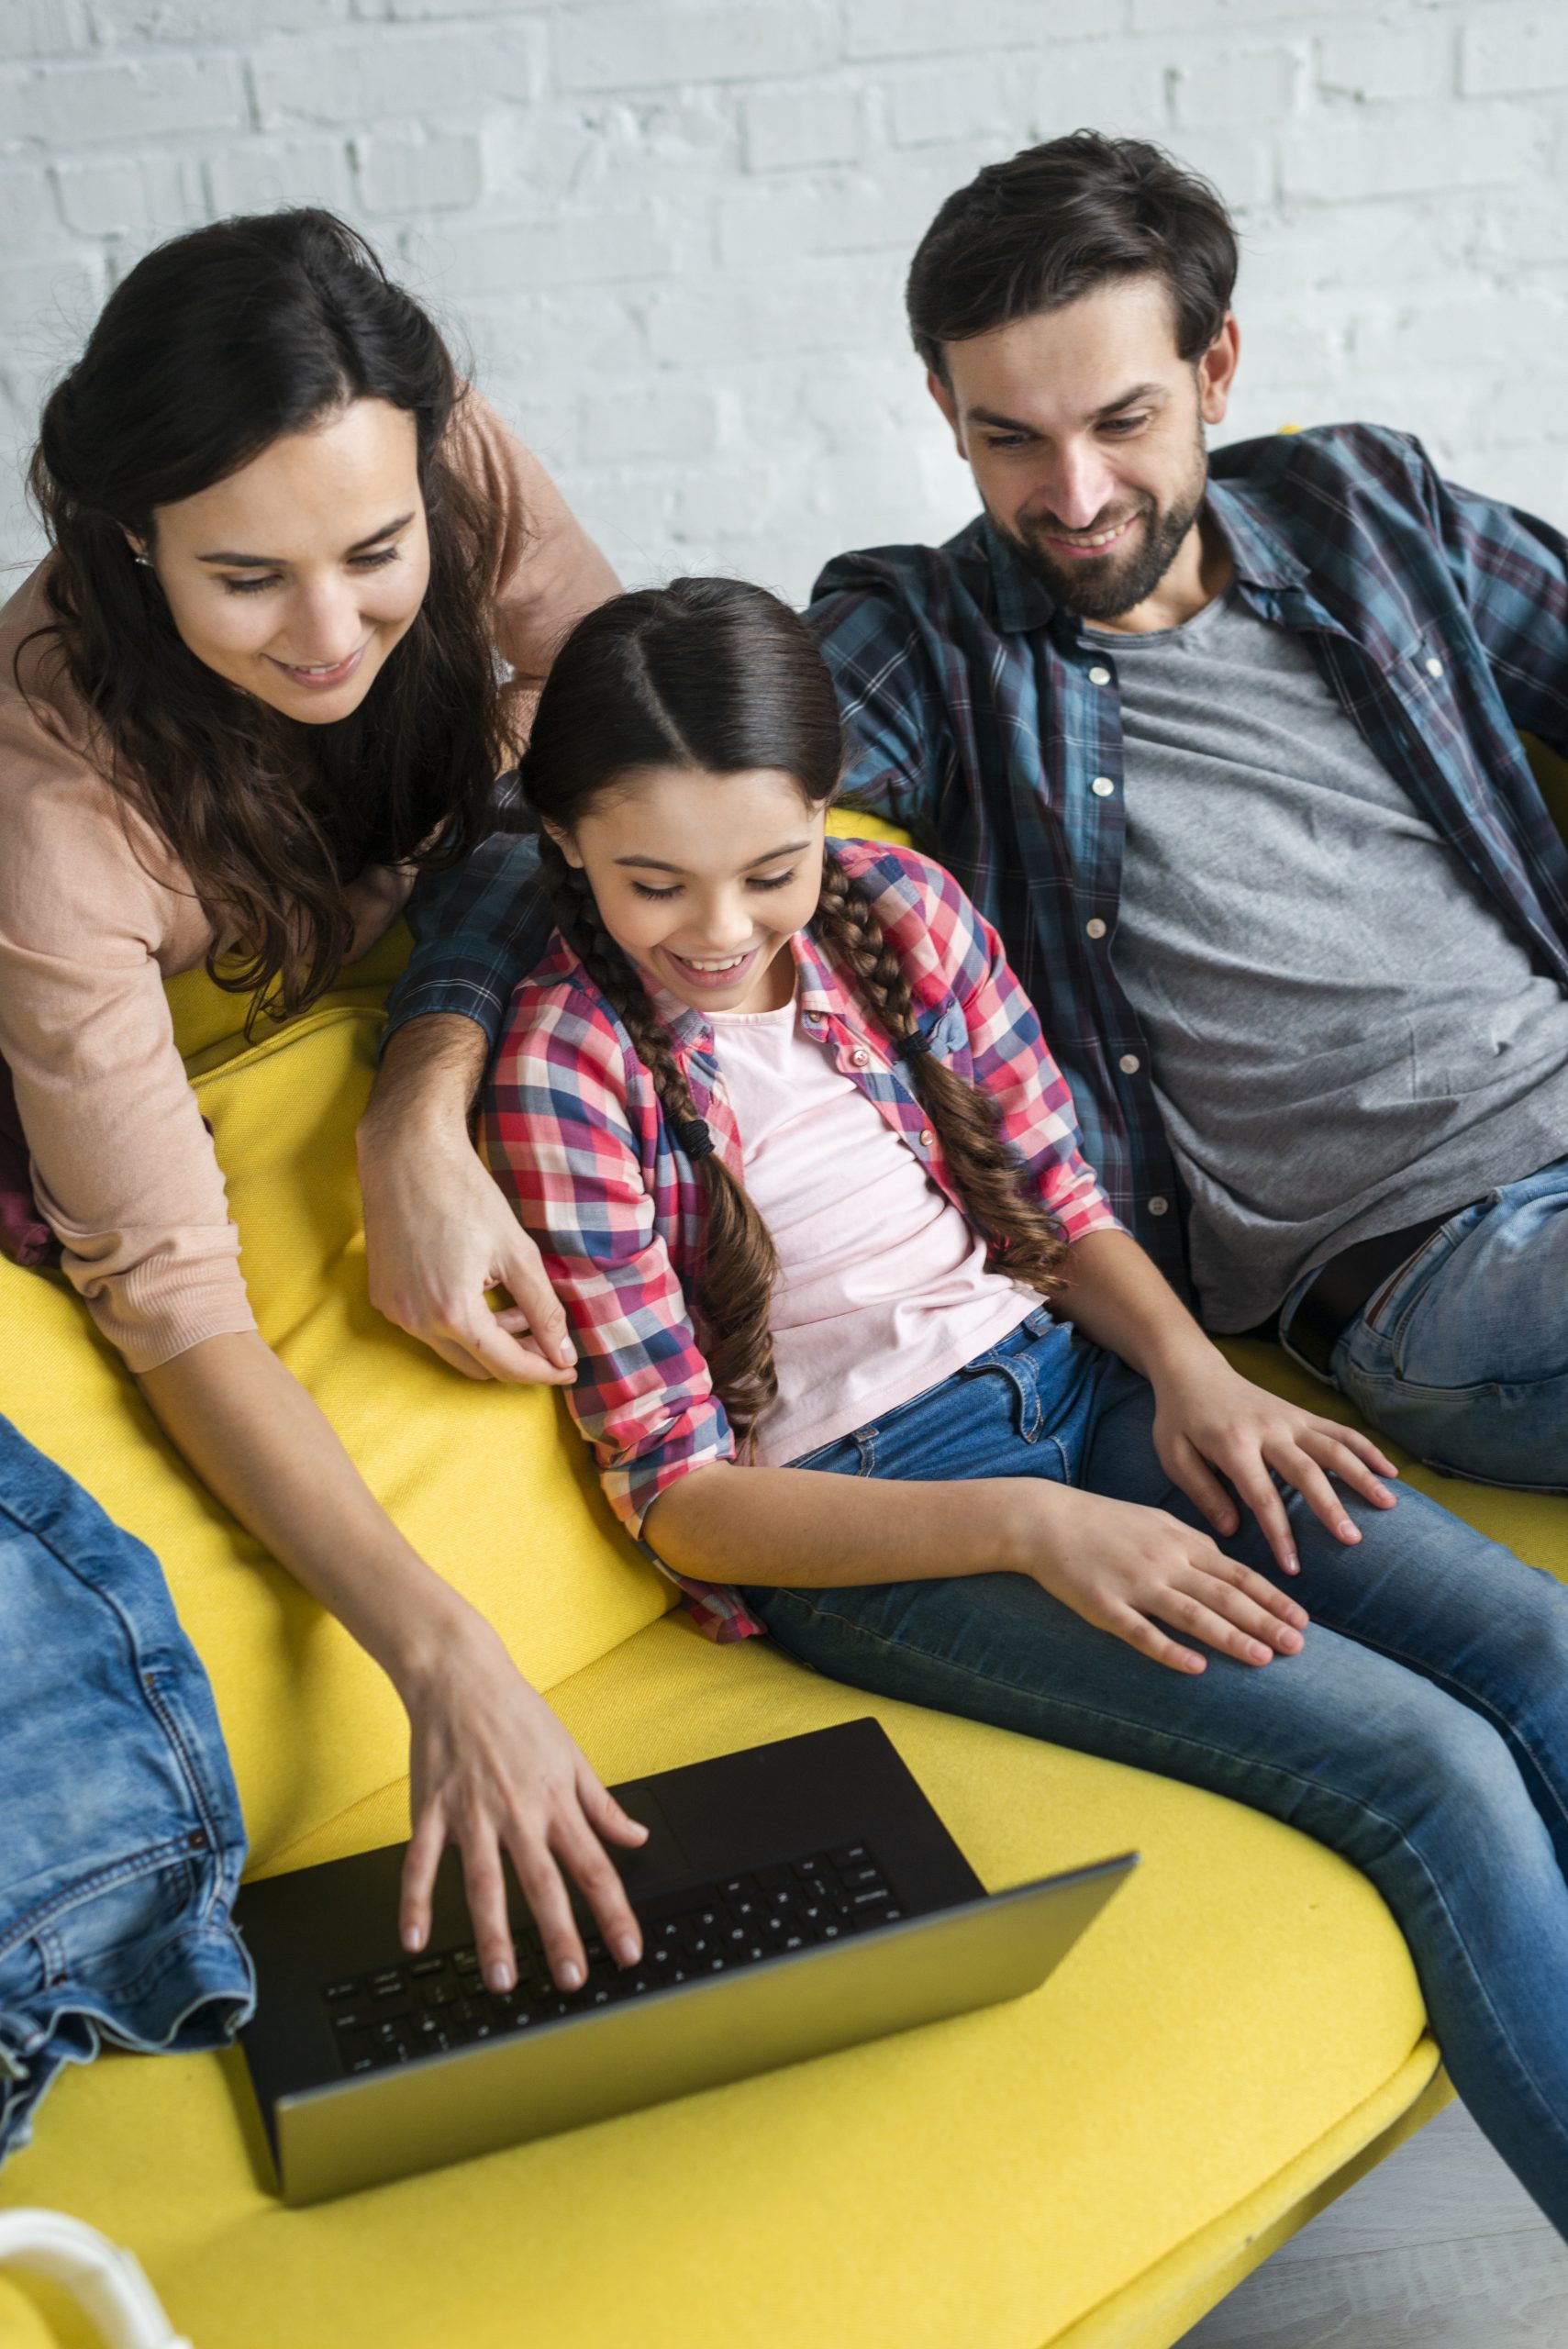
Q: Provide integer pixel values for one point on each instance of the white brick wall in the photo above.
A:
(672, 233)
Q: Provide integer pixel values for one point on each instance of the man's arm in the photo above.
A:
(438, 1235)
(896, 741)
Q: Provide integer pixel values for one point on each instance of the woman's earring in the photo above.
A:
(145, 560)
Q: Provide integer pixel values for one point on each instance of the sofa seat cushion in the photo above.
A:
(1077, 2166)
(489, 1483)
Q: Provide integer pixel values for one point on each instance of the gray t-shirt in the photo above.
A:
(1345, 1034)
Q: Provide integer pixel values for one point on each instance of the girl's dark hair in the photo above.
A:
(714, 674)
(1057, 222)
(213, 345)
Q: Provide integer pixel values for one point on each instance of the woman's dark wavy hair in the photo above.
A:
(1057, 222)
(213, 345)
(717, 675)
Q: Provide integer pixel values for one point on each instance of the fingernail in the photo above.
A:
(500, 1977)
(626, 1950)
(1347, 1532)
(571, 1976)
(1381, 1493)
(1192, 1663)
(566, 1354)
(1289, 1642)
(1292, 1562)
(412, 1937)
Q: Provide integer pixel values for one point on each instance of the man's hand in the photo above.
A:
(1208, 1418)
(439, 1237)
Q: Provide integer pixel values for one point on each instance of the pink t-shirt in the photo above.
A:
(882, 1287)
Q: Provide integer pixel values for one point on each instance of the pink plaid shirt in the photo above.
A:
(575, 1135)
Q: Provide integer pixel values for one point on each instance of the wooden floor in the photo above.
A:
(1438, 2249)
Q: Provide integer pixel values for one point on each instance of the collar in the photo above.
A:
(1261, 557)
(817, 991)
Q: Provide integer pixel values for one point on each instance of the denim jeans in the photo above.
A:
(1462, 1356)
(122, 1840)
(1421, 1730)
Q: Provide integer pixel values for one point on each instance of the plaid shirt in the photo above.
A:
(573, 1131)
(984, 721)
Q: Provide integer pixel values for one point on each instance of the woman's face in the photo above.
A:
(703, 878)
(296, 576)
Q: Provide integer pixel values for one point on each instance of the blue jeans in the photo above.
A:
(121, 1835)
(1462, 1356)
(1421, 1730)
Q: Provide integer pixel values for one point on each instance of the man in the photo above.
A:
(1230, 753)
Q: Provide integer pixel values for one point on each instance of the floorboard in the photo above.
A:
(1440, 2248)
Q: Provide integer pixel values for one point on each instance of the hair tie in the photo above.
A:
(915, 1046)
(693, 1135)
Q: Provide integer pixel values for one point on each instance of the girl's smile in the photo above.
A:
(703, 879)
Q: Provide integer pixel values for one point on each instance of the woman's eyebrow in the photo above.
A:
(276, 563)
(657, 863)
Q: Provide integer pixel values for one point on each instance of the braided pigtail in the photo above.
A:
(734, 1285)
(1025, 1241)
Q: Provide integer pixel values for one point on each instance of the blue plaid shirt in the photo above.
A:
(984, 721)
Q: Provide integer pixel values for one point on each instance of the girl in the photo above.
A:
(257, 681)
(868, 1364)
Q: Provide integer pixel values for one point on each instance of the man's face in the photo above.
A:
(1083, 428)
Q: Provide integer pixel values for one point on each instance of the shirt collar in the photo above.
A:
(817, 991)
(1262, 559)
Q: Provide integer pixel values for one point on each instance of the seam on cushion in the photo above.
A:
(278, 1863)
(310, 1023)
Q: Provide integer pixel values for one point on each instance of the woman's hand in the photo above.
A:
(1209, 1419)
(1131, 1570)
(493, 1770)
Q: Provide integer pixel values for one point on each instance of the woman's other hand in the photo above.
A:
(494, 1771)
(1210, 1422)
(1133, 1571)
(439, 1237)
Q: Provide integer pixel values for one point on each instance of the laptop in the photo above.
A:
(795, 1898)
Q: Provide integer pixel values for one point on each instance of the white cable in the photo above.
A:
(106, 2281)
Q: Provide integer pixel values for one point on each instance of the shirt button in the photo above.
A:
(1102, 787)
(861, 1057)
(1098, 676)
(1434, 667)
(1096, 928)
(1130, 1063)
(926, 1137)
(1157, 1206)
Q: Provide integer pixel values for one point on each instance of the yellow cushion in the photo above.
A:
(489, 1483)
(1072, 2167)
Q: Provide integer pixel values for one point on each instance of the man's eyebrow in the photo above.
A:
(657, 863)
(274, 563)
(999, 423)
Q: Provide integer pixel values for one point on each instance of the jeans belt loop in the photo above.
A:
(1341, 1287)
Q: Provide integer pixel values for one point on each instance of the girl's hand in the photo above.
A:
(1121, 1566)
(1208, 1418)
(494, 1770)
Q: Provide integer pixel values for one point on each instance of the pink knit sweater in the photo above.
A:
(95, 914)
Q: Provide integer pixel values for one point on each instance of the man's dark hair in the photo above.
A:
(1059, 221)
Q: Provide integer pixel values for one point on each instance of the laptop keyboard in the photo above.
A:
(426, 2005)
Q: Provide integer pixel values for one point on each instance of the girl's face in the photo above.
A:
(702, 879)
(296, 576)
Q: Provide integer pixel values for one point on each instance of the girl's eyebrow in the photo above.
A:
(657, 863)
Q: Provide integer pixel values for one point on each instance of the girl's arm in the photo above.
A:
(1208, 1418)
(1127, 1570)
(491, 1768)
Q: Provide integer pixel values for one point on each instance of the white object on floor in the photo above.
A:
(106, 2283)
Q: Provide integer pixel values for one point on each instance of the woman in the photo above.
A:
(254, 685)
(800, 1164)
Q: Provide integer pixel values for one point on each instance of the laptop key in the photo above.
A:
(337, 1990)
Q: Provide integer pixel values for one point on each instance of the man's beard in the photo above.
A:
(1101, 587)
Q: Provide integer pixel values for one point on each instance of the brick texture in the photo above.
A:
(670, 235)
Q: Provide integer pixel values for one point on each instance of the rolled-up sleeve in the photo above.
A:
(569, 1145)
(123, 1168)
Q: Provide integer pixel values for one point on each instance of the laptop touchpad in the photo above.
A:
(659, 1863)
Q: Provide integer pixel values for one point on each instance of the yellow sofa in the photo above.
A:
(1237, 2039)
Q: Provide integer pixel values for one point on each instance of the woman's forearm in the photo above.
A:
(1119, 1297)
(257, 1441)
(816, 1531)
